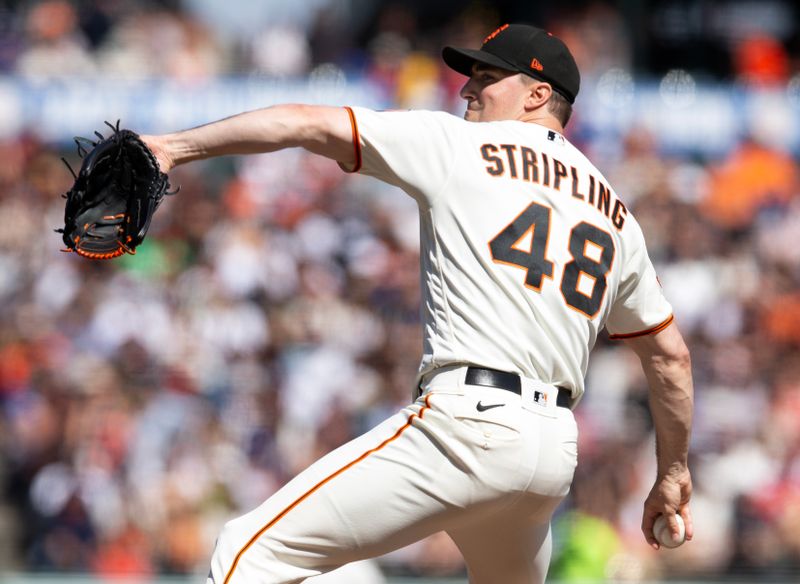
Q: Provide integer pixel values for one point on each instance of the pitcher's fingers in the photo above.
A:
(648, 519)
(687, 520)
(674, 526)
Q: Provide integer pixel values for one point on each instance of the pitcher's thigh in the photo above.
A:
(512, 547)
(375, 494)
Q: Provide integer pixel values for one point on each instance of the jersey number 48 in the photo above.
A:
(523, 244)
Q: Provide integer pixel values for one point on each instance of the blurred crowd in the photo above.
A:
(272, 313)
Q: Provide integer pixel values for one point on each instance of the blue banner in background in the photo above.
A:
(703, 120)
(57, 110)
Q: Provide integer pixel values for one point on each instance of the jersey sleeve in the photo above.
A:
(640, 307)
(413, 150)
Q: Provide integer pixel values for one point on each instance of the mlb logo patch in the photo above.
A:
(540, 401)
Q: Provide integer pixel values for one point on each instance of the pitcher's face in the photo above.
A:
(494, 94)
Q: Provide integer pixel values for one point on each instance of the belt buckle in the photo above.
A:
(539, 397)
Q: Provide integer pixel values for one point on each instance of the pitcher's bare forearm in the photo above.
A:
(667, 365)
(323, 130)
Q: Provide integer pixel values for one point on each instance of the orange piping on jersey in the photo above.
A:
(356, 139)
(322, 483)
(651, 331)
(421, 413)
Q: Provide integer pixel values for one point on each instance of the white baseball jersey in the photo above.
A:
(526, 250)
(526, 254)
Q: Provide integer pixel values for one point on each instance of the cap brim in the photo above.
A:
(462, 60)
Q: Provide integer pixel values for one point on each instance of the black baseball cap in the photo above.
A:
(526, 49)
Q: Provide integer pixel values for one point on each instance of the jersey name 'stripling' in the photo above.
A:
(526, 251)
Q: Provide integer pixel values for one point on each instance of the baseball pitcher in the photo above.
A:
(527, 253)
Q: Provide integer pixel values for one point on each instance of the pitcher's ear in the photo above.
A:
(538, 95)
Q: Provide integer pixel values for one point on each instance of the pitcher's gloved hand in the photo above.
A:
(116, 191)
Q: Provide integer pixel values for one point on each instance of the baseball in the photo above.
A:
(664, 536)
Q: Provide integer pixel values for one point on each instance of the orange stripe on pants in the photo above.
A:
(319, 485)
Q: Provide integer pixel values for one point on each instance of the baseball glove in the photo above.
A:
(117, 190)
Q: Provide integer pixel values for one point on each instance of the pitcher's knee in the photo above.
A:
(240, 544)
(234, 537)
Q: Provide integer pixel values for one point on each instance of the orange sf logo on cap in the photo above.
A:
(535, 64)
(495, 33)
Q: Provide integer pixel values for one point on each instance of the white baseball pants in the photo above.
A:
(491, 478)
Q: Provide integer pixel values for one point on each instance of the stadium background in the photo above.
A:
(272, 313)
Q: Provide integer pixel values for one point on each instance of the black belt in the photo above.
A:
(509, 382)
